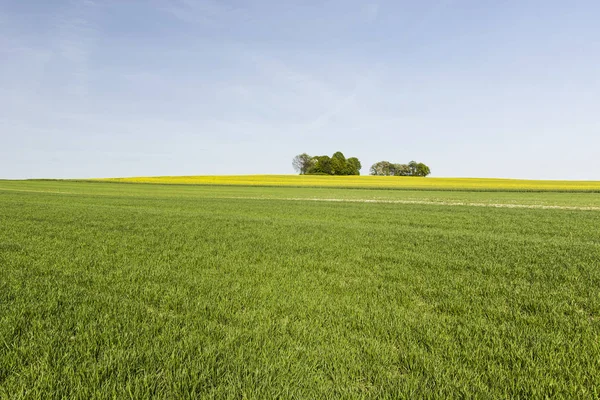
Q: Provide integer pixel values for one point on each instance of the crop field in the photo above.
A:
(111, 290)
(374, 182)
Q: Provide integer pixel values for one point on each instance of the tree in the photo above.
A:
(322, 165)
(401, 170)
(423, 170)
(413, 168)
(382, 168)
(302, 163)
(325, 165)
(338, 164)
(353, 166)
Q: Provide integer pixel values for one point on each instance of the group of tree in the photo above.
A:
(337, 164)
(413, 168)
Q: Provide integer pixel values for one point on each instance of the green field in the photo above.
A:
(111, 290)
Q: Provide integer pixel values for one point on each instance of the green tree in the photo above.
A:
(322, 165)
(401, 170)
(325, 165)
(338, 163)
(422, 170)
(353, 166)
(382, 168)
(412, 166)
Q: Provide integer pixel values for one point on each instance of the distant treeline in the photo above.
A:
(413, 168)
(338, 164)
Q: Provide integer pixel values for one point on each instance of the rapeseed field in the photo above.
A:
(374, 182)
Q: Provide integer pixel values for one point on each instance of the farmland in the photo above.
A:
(373, 182)
(241, 287)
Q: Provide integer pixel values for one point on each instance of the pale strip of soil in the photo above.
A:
(429, 202)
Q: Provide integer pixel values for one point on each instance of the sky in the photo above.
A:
(473, 88)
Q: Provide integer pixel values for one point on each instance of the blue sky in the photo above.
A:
(480, 88)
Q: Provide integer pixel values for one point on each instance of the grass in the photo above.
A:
(374, 182)
(136, 291)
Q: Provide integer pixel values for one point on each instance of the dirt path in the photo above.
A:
(429, 202)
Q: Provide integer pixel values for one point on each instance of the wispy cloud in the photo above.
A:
(313, 101)
(74, 41)
(206, 12)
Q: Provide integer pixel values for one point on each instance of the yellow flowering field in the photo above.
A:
(379, 182)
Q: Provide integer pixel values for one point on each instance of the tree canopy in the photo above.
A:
(303, 163)
(386, 168)
(337, 164)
